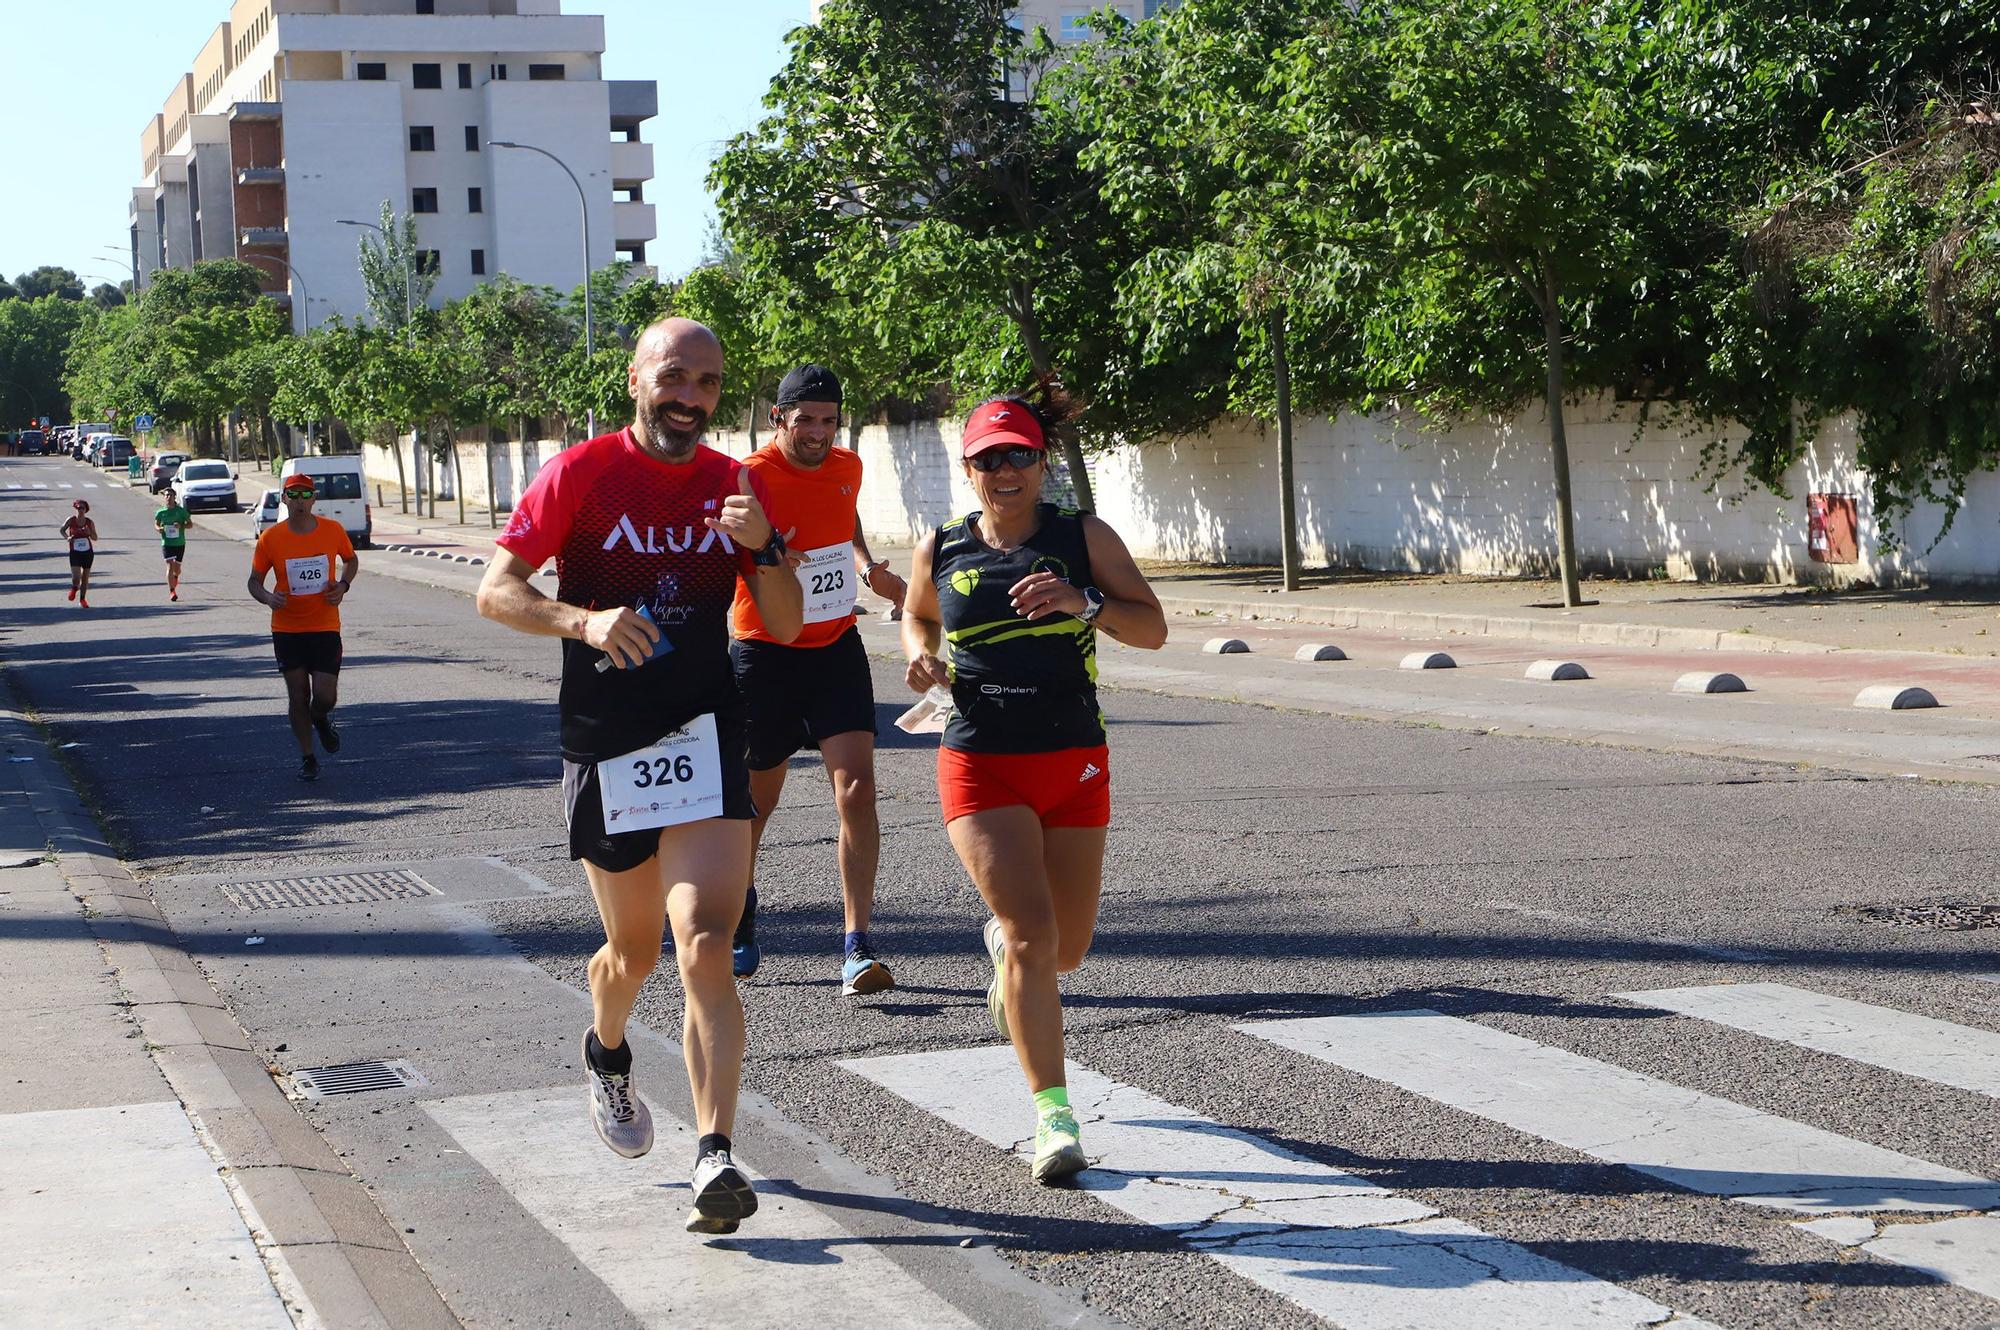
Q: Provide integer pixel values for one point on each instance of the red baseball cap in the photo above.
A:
(299, 480)
(1001, 423)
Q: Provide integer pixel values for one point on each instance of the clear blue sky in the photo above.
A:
(86, 74)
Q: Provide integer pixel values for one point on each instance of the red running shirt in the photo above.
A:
(625, 529)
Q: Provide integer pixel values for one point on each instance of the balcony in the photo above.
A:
(632, 223)
(633, 101)
(631, 164)
(261, 175)
(266, 237)
(257, 111)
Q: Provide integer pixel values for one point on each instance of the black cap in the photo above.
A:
(809, 383)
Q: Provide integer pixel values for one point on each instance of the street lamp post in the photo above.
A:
(131, 255)
(583, 206)
(410, 330)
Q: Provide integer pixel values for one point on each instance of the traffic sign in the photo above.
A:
(142, 423)
(44, 422)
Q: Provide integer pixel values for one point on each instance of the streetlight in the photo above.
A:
(583, 206)
(130, 253)
(409, 313)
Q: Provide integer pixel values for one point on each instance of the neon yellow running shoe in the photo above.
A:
(1058, 1149)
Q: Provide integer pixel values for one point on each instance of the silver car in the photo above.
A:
(206, 483)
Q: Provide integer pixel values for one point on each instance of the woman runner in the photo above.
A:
(80, 534)
(1019, 590)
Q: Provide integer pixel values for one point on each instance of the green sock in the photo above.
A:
(1051, 1101)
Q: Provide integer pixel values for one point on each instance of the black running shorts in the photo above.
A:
(583, 805)
(798, 696)
(82, 558)
(318, 652)
(173, 553)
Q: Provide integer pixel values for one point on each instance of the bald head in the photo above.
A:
(675, 381)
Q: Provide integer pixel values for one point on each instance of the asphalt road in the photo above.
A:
(1266, 865)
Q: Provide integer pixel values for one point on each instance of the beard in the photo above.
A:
(674, 440)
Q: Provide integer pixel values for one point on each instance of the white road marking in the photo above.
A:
(1326, 1240)
(622, 1218)
(1693, 1140)
(117, 1216)
(41, 485)
(1932, 1050)
(1964, 1251)
(65, 486)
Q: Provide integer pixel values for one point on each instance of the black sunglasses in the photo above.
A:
(1020, 458)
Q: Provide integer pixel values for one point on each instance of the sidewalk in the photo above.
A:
(1680, 616)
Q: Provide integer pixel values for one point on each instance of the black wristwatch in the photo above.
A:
(1093, 604)
(773, 552)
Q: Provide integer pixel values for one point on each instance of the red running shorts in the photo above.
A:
(1069, 787)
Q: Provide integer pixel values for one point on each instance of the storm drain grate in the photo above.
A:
(285, 893)
(1953, 915)
(355, 1078)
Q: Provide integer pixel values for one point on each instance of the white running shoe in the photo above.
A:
(622, 1119)
(722, 1195)
(1058, 1148)
(996, 999)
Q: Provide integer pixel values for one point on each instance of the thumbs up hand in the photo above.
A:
(742, 517)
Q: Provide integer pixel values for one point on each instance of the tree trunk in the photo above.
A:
(1288, 513)
(1038, 356)
(492, 490)
(402, 485)
(1552, 335)
(458, 477)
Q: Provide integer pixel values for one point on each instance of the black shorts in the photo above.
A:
(798, 696)
(81, 559)
(173, 553)
(317, 652)
(583, 805)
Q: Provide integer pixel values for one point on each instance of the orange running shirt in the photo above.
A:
(303, 563)
(818, 508)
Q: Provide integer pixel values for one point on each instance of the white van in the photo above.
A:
(340, 492)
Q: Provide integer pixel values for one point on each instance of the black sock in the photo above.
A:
(617, 1061)
(713, 1140)
(746, 927)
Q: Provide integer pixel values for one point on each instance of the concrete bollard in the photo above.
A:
(1429, 660)
(1895, 697)
(1225, 646)
(1700, 681)
(1317, 651)
(1557, 671)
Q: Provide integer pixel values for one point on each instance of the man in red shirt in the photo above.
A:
(650, 531)
(816, 688)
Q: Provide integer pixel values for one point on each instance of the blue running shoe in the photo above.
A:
(861, 974)
(744, 954)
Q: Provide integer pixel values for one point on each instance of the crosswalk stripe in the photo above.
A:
(65, 485)
(1933, 1050)
(1693, 1140)
(1326, 1240)
(622, 1219)
(40, 485)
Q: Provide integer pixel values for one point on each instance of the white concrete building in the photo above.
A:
(298, 114)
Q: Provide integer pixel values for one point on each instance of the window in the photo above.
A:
(547, 73)
(472, 138)
(427, 6)
(372, 70)
(429, 261)
(423, 138)
(465, 76)
(427, 75)
(497, 71)
(478, 258)
(335, 484)
(474, 202)
(423, 200)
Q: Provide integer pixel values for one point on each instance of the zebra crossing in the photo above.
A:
(1359, 1256)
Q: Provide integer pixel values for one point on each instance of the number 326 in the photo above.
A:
(662, 771)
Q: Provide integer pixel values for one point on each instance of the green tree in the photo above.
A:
(35, 336)
(397, 280)
(49, 280)
(104, 295)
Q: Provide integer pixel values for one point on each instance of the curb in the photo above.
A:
(424, 552)
(1516, 627)
(334, 1258)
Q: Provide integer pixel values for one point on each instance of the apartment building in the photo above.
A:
(299, 115)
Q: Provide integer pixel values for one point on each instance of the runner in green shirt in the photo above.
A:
(172, 522)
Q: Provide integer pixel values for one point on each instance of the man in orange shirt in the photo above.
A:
(305, 613)
(817, 689)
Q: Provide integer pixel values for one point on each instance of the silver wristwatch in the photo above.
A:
(1093, 604)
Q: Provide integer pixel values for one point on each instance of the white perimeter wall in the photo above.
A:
(1379, 492)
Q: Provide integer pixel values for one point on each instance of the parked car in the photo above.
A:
(93, 445)
(205, 483)
(33, 443)
(266, 514)
(83, 436)
(339, 493)
(161, 474)
(115, 452)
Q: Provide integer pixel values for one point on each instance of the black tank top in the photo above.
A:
(1017, 686)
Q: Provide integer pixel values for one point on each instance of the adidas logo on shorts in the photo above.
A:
(1089, 770)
